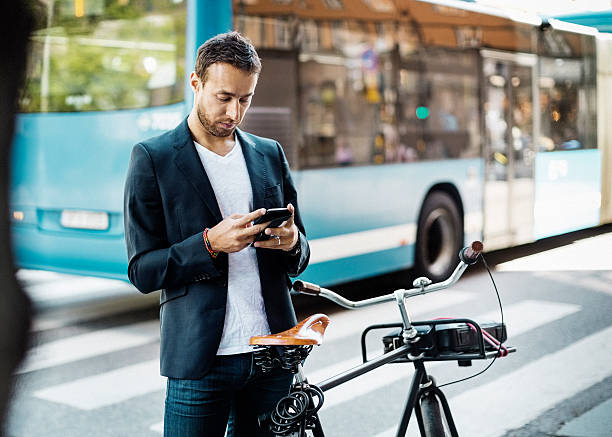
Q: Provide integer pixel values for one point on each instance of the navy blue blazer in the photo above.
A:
(168, 201)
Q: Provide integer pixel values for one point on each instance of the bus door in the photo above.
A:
(510, 117)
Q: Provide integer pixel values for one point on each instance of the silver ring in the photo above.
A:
(277, 239)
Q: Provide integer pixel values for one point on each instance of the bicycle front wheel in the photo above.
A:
(433, 425)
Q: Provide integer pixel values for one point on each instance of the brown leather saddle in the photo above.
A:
(308, 332)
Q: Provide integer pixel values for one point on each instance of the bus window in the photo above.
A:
(347, 95)
(343, 113)
(567, 93)
(102, 55)
(438, 101)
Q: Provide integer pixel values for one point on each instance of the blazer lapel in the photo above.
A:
(188, 162)
(256, 167)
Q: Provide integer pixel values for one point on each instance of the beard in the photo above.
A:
(211, 128)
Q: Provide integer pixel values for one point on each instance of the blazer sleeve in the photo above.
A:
(296, 264)
(154, 263)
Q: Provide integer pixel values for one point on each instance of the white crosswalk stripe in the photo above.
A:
(107, 388)
(89, 345)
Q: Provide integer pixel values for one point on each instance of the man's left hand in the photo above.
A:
(284, 237)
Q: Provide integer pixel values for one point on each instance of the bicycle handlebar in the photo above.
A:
(467, 255)
(306, 288)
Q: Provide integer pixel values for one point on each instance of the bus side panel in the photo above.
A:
(567, 191)
(362, 221)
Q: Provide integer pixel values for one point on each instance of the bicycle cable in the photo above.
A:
(500, 346)
(298, 409)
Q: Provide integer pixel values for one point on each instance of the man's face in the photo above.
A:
(224, 98)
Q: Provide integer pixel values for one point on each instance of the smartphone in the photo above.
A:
(276, 216)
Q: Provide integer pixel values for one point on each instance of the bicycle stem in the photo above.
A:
(409, 333)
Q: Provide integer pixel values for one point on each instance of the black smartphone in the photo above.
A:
(276, 216)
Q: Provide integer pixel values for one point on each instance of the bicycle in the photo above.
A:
(461, 340)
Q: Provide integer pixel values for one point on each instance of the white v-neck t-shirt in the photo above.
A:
(245, 314)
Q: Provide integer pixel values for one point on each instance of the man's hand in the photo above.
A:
(235, 232)
(286, 236)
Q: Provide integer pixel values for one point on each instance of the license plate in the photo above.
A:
(84, 220)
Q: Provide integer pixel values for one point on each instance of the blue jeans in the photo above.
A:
(232, 394)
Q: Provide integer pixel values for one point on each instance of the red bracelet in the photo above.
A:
(212, 253)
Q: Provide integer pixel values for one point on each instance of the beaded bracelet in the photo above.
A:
(212, 253)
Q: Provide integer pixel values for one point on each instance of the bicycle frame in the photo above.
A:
(419, 378)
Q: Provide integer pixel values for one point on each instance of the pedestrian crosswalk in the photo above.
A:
(528, 389)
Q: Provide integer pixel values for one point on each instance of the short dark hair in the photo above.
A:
(231, 48)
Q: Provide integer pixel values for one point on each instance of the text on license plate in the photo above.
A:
(84, 220)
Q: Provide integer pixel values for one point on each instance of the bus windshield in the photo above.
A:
(103, 55)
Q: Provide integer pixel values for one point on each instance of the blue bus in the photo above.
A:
(411, 127)
(600, 20)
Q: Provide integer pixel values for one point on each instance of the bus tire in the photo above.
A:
(439, 237)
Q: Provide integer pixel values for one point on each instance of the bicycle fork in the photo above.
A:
(422, 385)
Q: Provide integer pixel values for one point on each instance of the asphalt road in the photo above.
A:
(93, 366)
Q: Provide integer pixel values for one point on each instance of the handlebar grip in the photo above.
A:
(469, 255)
(306, 288)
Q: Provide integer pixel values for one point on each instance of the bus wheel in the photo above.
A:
(439, 237)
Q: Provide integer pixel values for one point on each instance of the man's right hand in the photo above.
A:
(235, 232)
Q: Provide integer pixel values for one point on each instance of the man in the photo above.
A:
(191, 196)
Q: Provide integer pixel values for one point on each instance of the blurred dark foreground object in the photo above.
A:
(16, 23)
